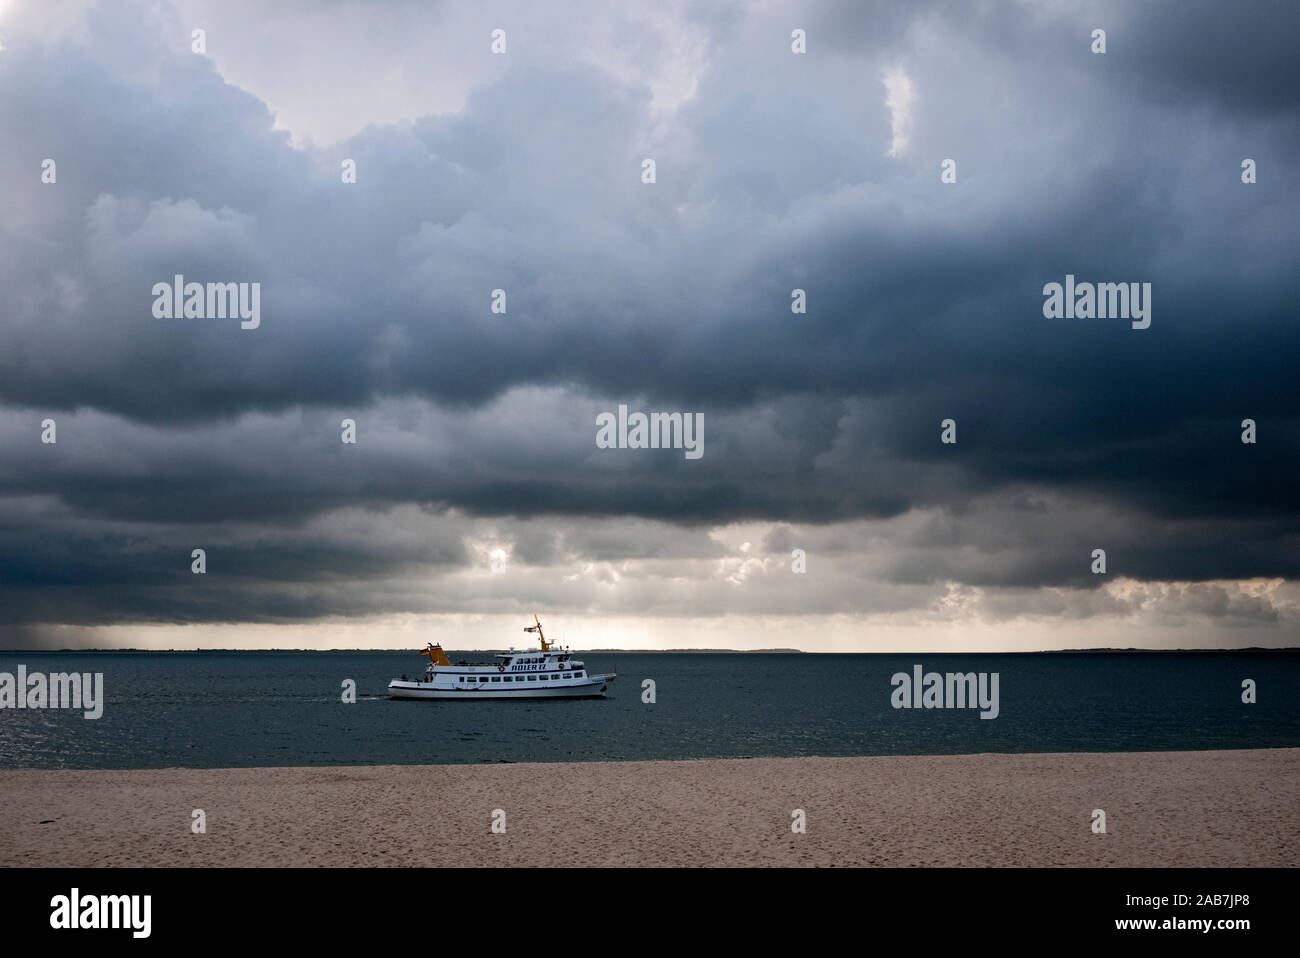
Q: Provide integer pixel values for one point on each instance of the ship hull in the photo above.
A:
(428, 690)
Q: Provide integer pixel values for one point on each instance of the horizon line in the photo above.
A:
(778, 651)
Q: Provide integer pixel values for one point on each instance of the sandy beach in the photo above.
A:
(1225, 808)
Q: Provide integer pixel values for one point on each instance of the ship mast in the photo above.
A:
(541, 637)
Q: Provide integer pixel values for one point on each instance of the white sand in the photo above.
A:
(1220, 808)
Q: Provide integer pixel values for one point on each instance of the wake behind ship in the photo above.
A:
(548, 673)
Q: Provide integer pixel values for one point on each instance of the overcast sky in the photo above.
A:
(476, 494)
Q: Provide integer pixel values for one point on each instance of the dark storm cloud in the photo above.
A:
(1179, 54)
(924, 303)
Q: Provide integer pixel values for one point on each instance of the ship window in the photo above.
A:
(482, 678)
(507, 679)
(577, 675)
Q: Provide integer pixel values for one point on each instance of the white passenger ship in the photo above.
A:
(550, 673)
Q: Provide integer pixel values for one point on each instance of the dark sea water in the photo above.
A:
(229, 709)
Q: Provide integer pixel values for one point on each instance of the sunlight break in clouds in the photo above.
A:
(900, 95)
